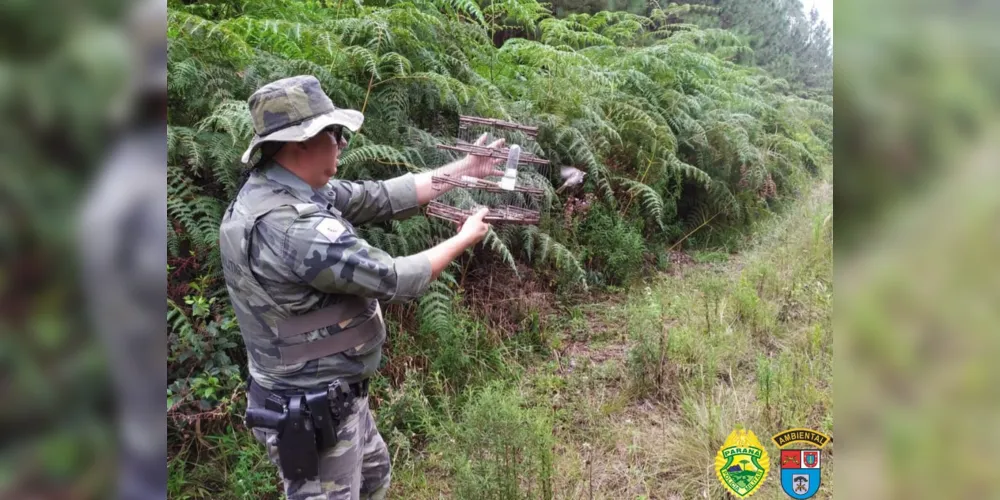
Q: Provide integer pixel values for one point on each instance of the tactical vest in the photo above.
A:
(277, 341)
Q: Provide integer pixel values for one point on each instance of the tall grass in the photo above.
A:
(740, 342)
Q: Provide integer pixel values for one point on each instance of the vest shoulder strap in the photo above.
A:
(304, 209)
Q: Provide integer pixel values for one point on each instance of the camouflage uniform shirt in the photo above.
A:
(306, 262)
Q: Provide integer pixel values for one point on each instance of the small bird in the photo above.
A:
(571, 177)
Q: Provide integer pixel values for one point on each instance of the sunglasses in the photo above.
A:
(337, 131)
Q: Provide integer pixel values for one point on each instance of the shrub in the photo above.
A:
(503, 450)
(614, 248)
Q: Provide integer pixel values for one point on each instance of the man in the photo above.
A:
(122, 244)
(307, 291)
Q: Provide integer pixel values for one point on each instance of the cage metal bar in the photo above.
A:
(526, 157)
(493, 122)
(504, 214)
(484, 185)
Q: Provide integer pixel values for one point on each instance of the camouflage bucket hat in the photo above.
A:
(294, 109)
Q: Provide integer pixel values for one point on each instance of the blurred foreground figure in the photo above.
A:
(123, 252)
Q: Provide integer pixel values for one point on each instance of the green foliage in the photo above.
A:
(195, 217)
(203, 337)
(751, 310)
(241, 469)
(747, 343)
(502, 449)
(436, 305)
(648, 359)
(613, 246)
(710, 257)
(409, 413)
(544, 249)
(783, 38)
(463, 350)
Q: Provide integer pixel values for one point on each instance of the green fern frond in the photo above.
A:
(233, 118)
(435, 308)
(366, 31)
(650, 200)
(558, 31)
(643, 104)
(181, 24)
(393, 64)
(366, 58)
(173, 242)
(177, 319)
(552, 251)
(467, 7)
(577, 149)
(691, 171)
(494, 243)
(528, 242)
(353, 158)
(722, 200)
(198, 215)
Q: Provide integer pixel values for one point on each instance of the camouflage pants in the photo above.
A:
(357, 467)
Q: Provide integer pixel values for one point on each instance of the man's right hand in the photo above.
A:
(474, 229)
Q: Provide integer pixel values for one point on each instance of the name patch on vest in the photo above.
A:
(331, 229)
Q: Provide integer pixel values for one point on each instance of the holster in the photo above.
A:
(296, 443)
(305, 426)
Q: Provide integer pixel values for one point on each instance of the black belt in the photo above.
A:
(358, 390)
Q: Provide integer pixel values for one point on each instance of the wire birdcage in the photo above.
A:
(518, 196)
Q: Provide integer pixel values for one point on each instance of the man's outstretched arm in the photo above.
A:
(324, 255)
(363, 202)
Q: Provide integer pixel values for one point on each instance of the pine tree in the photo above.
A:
(819, 56)
(784, 41)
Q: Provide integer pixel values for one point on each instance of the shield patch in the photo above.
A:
(800, 472)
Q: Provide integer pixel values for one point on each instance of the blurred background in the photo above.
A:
(83, 271)
(917, 277)
(82, 144)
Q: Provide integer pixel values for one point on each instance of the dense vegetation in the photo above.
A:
(686, 143)
(785, 40)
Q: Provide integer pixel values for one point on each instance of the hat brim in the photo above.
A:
(349, 118)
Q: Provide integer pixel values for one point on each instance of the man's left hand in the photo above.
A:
(483, 166)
